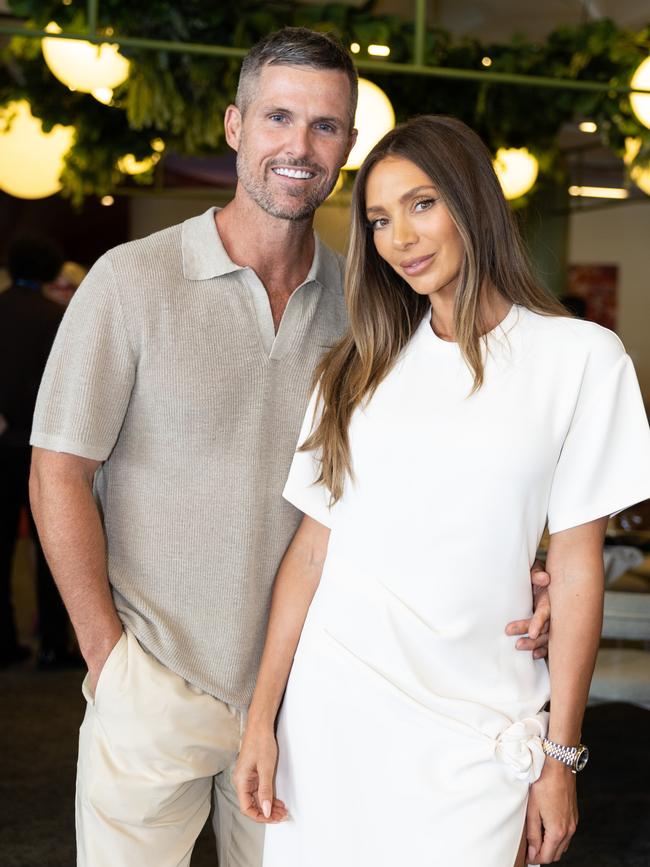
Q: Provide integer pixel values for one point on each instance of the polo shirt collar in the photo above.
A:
(205, 257)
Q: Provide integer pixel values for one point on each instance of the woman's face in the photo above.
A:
(412, 228)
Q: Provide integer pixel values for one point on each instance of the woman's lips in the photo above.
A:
(415, 266)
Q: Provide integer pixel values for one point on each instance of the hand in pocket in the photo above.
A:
(98, 661)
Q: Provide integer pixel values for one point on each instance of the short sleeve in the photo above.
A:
(604, 465)
(89, 376)
(301, 489)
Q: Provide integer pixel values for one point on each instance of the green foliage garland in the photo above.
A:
(181, 98)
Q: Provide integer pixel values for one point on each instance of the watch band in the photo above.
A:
(569, 756)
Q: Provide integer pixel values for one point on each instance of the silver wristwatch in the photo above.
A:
(573, 757)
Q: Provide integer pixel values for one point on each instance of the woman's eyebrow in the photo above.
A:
(410, 193)
(404, 197)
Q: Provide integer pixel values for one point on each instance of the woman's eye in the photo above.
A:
(424, 205)
(379, 223)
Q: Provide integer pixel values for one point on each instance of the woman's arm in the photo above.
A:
(294, 589)
(575, 564)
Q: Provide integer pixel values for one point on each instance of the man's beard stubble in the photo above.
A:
(261, 194)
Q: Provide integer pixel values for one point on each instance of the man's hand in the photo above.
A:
(536, 627)
(101, 652)
(253, 777)
(552, 813)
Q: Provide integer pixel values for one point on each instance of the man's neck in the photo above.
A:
(279, 251)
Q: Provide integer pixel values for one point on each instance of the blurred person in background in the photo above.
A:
(28, 325)
(62, 288)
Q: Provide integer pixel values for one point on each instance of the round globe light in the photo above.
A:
(516, 170)
(129, 165)
(103, 95)
(31, 161)
(84, 66)
(374, 118)
(640, 102)
(640, 175)
(338, 186)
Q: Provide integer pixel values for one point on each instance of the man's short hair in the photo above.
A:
(295, 46)
(32, 257)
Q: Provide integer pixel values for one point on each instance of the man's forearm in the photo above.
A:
(71, 532)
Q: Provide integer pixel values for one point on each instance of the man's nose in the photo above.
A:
(299, 142)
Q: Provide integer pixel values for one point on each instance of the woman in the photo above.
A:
(462, 412)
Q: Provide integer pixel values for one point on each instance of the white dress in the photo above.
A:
(410, 730)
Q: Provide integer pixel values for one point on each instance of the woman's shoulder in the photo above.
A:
(575, 337)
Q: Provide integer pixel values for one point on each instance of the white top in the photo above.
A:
(404, 678)
(452, 491)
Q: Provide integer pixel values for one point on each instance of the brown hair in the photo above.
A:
(384, 311)
(295, 46)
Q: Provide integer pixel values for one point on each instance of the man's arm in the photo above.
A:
(72, 536)
(535, 627)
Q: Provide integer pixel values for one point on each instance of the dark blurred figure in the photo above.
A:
(575, 304)
(28, 324)
(65, 284)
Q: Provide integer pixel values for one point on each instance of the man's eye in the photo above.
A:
(278, 117)
(326, 127)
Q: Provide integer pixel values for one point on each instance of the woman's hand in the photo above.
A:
(552, 814)
(253, 777)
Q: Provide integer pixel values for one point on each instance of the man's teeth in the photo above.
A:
(294, 173)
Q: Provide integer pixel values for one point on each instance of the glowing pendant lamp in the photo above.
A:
(640, 176)
(374, 118)
(84, 66)
(640, 102)
(516, 170)
(129, 165)
(31, 160)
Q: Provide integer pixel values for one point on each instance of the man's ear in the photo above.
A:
(351, 143)
(232, 126)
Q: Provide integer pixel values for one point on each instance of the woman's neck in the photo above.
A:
(494, 309)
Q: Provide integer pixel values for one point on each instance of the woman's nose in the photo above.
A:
(404, 235)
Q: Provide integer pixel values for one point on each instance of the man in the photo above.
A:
(28, 324)
(192, 353)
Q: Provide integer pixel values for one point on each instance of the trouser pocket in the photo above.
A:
(117, 650)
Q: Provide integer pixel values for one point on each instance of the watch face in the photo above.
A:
(582, 758)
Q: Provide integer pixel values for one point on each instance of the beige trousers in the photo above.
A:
(150, 748)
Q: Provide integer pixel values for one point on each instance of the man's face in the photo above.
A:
(293, 139)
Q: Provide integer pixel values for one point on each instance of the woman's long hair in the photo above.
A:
(382, 308)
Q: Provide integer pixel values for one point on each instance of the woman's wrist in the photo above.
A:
(261, 719)
(554, 769)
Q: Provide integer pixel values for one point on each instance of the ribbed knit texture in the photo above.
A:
(160, 369)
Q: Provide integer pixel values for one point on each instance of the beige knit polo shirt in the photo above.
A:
(167, 368)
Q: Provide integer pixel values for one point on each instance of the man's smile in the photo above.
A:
(295, 174)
